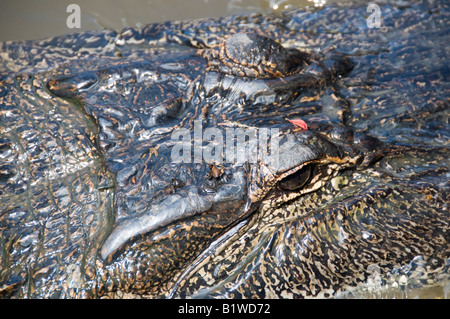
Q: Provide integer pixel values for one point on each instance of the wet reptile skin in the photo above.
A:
(92, 204)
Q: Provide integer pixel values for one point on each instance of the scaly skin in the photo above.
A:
(93, 205)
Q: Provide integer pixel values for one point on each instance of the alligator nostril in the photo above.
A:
(339, 64)
(72, 85)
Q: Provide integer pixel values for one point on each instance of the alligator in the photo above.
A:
(291, 155)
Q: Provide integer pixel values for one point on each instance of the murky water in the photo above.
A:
(33, 19)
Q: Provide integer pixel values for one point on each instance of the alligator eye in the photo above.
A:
(297, 180)
(255, 56)
(70, 86)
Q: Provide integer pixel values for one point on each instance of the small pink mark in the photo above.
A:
(299, 123)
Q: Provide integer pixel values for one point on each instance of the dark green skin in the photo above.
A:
(93, 206)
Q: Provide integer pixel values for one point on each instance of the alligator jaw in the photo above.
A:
(174, 208)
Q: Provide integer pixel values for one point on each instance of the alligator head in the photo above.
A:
(195, 219)
(170, 210)
(167, 167)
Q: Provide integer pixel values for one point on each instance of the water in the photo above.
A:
(34, 19)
